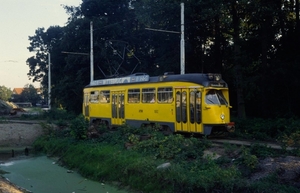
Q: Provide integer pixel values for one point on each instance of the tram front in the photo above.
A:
(216, 108)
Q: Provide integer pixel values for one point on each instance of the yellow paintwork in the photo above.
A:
(158, 112)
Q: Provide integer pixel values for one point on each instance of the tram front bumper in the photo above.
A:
(230, 127)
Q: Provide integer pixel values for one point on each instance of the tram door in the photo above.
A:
(118, 108)
(188, 110)
(86, 110)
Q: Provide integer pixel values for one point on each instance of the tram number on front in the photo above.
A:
(155, 111)
(141, 110)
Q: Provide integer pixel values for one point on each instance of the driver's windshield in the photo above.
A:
(215, 97)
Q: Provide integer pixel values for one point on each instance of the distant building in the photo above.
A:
(22, 102)
(18, 91)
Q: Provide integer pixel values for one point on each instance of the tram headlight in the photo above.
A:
(222, 116)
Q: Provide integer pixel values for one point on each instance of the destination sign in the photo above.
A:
(123, 80)
(217, 84)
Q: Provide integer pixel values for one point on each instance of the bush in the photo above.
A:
(55, 114)
(79, 127)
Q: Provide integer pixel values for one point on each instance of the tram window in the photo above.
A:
(192, 106)
(178, 106)
(134, 95)
(104, 96)
(165, 95)
(184, 107)
(94, 97)
(198, 107)
(148, 95)
(215, 97)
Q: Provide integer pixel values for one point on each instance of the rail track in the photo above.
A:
(248, 143)
(214, 140)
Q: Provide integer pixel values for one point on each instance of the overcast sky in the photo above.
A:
(19, 19)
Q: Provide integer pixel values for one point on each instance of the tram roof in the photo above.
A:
(210, 79)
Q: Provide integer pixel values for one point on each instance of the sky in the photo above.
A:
(19, 19)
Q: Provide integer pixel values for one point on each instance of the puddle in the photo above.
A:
(42, 175)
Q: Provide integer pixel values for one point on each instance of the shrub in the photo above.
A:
(79, 127)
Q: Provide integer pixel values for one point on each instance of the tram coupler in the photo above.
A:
(230, 127)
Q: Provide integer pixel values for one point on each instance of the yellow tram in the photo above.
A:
(192, 103)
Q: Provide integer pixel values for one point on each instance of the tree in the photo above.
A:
(254, 44)
(29, 94)
(70, 73)
(5, 93)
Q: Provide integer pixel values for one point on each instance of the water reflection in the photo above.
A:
(41, 174)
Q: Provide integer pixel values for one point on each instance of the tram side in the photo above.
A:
(180, 106)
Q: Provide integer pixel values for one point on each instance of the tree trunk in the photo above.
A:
(218, 57)
(237, 62)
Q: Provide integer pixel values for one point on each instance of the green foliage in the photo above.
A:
(53, 146)
(5, 93)
(108, 159)
(266, 129)
(243, 34)
(248, 159)
(271, 184)
(29, 94)
(172, 147)
(59, 115)
(291, 140)
(230, 149)
(262, 151)
(106, 163)
(79, 127)
(48, 129)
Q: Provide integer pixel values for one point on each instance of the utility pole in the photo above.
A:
(182, 44)
(92, 54)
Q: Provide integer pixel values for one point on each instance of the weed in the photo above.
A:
(230, 149)
(249, 160)
(79, 127)
(261, 151)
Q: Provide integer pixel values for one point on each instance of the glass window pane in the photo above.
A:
(134, 95)
(192, 106)
(183, 108)
(178, 106)
(165, 95)
(198, 107)
(104, 96)
(148, 95)
(215, 97)
(94, 97)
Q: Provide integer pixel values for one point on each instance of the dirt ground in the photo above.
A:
(7, 187)
(16, 135)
